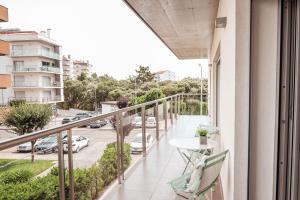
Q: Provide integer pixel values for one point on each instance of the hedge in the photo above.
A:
(17, 176)
(88, 182)
(193, 106)
(108, 162)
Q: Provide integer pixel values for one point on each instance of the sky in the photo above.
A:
(105, 32)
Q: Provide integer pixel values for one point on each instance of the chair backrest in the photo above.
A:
(211, 170)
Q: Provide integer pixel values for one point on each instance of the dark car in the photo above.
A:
(48, 144)
(69, 119)
(98, 124)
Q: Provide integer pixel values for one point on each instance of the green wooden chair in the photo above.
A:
(207, 174)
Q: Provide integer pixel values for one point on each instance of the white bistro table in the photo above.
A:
(190, 149)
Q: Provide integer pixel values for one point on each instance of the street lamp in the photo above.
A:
(201, 90)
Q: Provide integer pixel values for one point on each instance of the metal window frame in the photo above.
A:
(288, 187)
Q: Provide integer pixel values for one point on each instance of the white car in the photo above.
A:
(26, 147)
(151, 122)
(137, 121)
(78, 143)
(137, 143)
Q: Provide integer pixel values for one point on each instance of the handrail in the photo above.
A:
(5, 144)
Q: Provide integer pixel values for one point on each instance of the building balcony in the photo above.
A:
(57, 98)
(36, 84)
(47, 69)
(3, 14)
(4, 48)
(35, 52)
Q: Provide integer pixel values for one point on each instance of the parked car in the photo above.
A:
(69, 119)
(83, 115)
(151, 122)
(48, 144)
(26, 147)
(98, 124)
(78, 143)
(137, 143)
(137, 122)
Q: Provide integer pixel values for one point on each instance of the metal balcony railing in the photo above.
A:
(170, 111)
(35, 52)
(35, 84)
(37, 99)
(28, 68)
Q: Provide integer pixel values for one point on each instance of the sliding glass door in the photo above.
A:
(289, 119)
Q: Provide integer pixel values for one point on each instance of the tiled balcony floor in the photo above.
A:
(162, 164)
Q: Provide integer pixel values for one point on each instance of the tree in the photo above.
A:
(83, 76)
(94, 75)
(27, 118)
(115, 94)
(144, 75)
(151, 95)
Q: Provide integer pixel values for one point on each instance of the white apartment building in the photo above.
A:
(68, 67)
(81, 66)
(73, 68)
(165, 75)
(35, 66)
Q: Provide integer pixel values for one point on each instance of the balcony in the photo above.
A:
(4, 48)
(26, 68)
(38, 100)
(36, 84)
(35, 52)
(3, 14)
(149, 178)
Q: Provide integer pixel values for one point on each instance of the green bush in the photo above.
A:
(17, 176)
(45, 188)
(88, 182)
(193, 106)
(108, 162)
(17, 102)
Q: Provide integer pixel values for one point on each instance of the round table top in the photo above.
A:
(190, 144)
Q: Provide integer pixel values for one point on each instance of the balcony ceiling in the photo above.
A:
(185, 26)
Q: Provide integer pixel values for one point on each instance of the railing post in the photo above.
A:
(118, 147)
(144, 131)
(175, 107)
(61, 166)
(171, 110)
(165, 109)
(70, 159)
(121, 134)
(179, 104)
(157, 121)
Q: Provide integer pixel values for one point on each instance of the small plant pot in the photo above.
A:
(203, 140)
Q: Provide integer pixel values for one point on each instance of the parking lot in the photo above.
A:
(86, 157)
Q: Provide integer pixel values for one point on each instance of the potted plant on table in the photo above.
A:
(203, 136)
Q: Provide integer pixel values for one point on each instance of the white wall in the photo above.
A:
(264, 72)
(232, 44)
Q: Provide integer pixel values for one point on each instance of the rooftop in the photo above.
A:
(17, 35)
